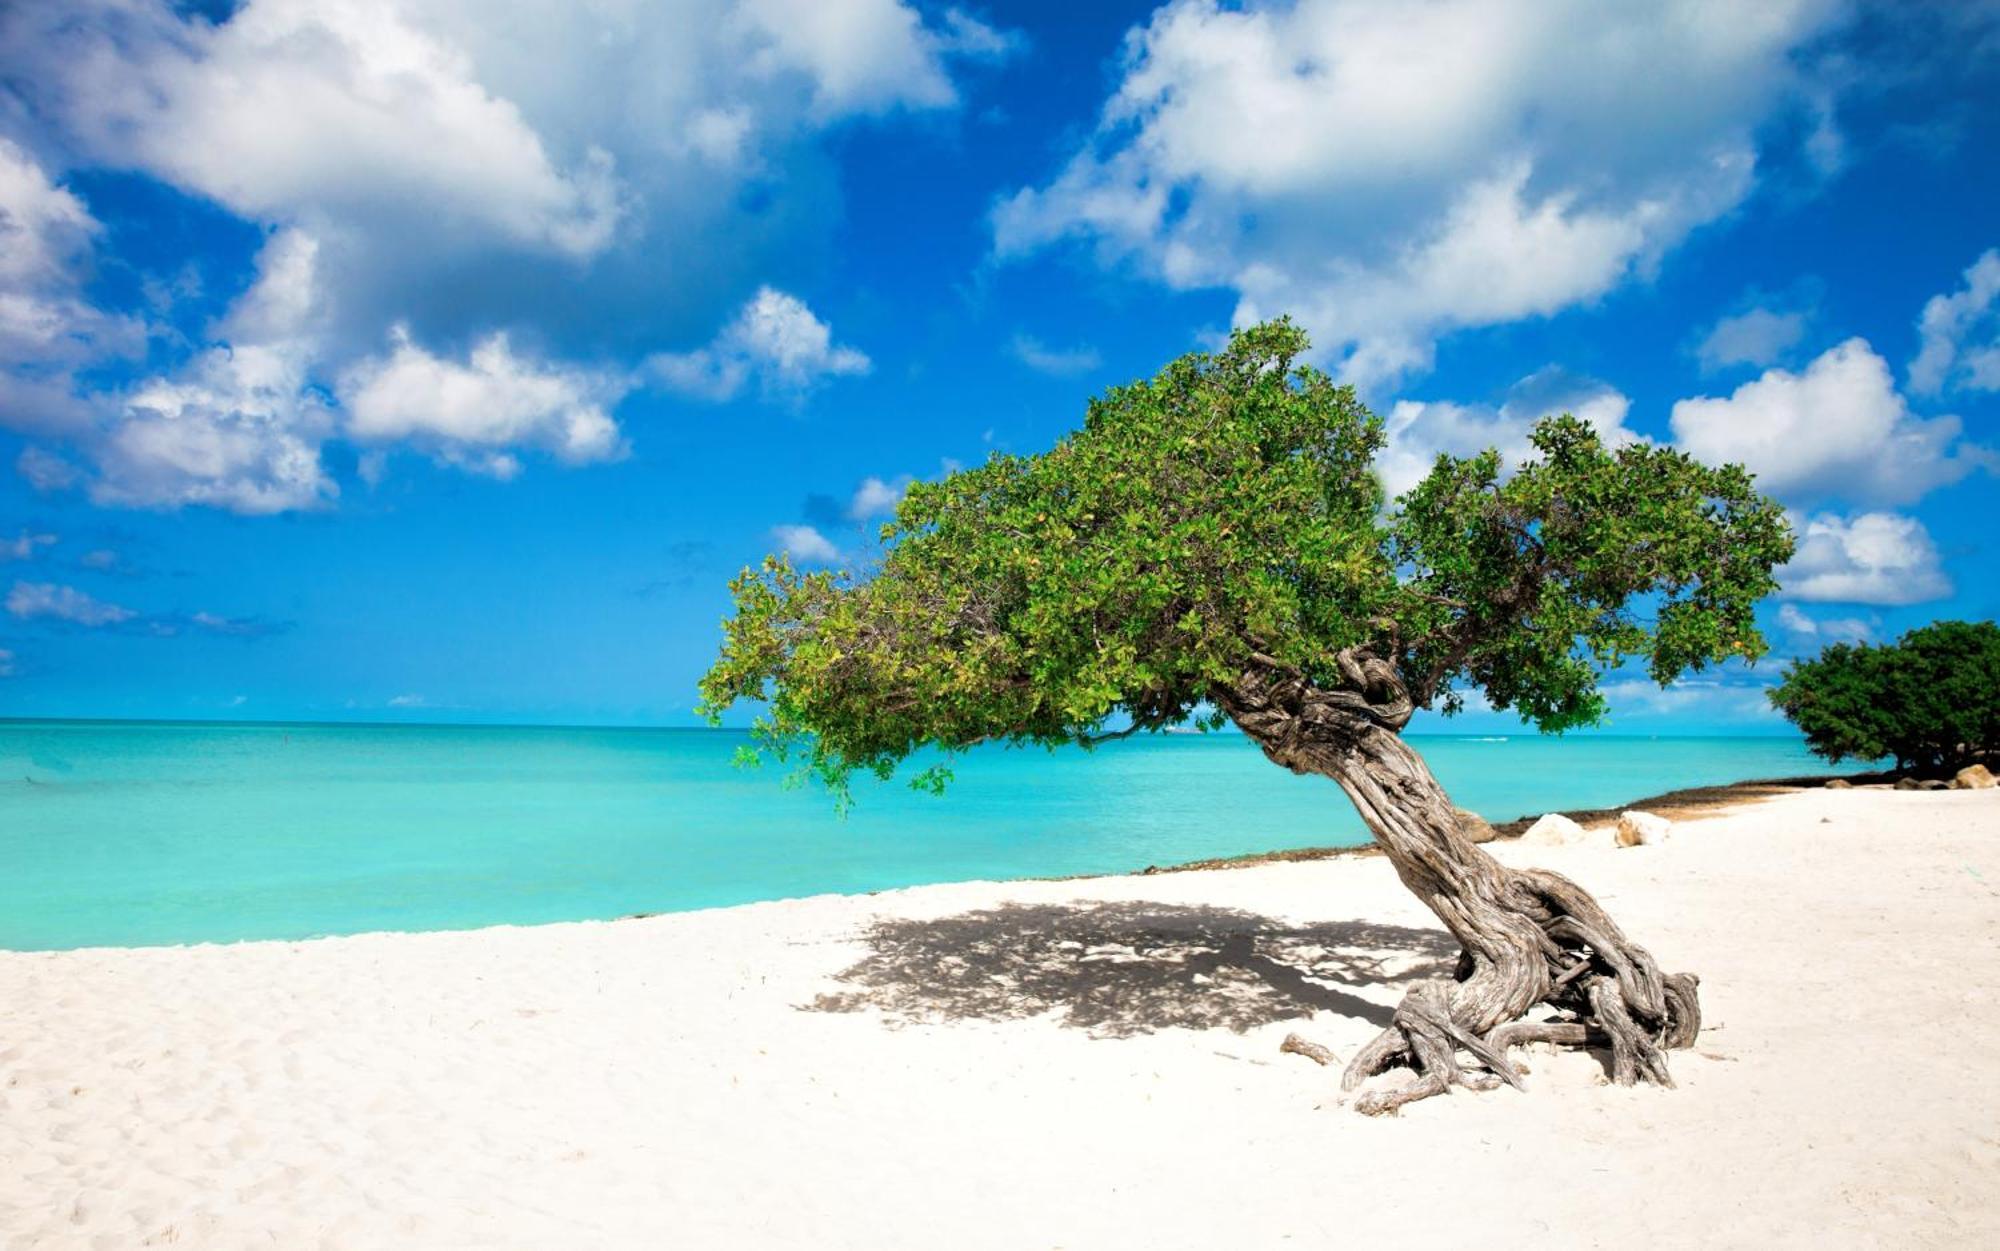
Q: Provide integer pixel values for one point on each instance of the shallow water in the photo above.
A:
(137, 833)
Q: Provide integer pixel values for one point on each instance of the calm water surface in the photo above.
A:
(139, 833)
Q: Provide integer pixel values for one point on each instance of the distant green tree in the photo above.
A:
(1930, 700)
(1214, 546)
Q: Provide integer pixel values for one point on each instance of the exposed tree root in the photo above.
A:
(1527, 937)
(1606, 990)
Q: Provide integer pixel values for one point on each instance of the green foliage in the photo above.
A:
(1931, 699)
(1223, 514)
(1531, 588)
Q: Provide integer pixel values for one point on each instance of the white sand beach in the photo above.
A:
(1078, 1064)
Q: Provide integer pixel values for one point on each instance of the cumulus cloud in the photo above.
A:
(1418, 167)
(1757, 337)
(774, 340)
(1056, 362)
(487, 173)
(234, 426)
(287, 302)
(1829, 630)
(1689, 698)
(479, 164)
(866, 56)
(1871, 558)
(874, 497)
(47, 328)
(31, 601)
(805, 544)
(25, 546)
(470, 414)
(1960, 334)
(1418, 431)
(295, 111)
(241, 424)
(877, 498)
(237, 429)
(42, 226)
(1840, 428)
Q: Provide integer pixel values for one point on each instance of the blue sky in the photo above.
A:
(441, 359)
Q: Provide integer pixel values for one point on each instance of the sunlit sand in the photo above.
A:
(1081, 1064)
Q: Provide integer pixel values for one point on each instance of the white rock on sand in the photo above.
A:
(1553, 829)
(1087, 1064)
(1637, 828)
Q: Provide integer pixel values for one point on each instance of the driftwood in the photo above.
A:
(1294, 1045)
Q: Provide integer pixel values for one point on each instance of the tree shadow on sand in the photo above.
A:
(1120, 969)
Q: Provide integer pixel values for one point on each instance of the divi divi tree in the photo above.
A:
(1214, 547)
(1930, 700)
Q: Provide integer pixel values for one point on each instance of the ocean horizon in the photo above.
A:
(130, 833)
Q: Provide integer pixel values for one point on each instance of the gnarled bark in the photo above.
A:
(1528, 937)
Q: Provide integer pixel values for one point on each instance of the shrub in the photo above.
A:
(1931, 699)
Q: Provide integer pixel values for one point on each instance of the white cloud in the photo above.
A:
(102, 559)
(40, 397)
(44, 470)
(1391, 171)
(805, 545)
(774, 339)
(470, 414)
(46, 600)
(6, 663)
(478, 164)
(1418, 431)
(1688, 699)
(215, 623)
(1757, 337)
(1961, 334)
(236, 429)
(408, 701)
(287, 302)
(866, 56)
(1833, 630)
(235, 426)
(1872, 558)
(965, 35)
(242, 424)
(43, 227)
(297, 111)
(1840, 428)
(26, 546)
(1056, 362)
(487, 172)
(877, 498)
(47, 329)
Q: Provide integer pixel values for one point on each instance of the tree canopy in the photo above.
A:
(1225, 514)
(1931, 699)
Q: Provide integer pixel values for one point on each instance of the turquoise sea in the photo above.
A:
(140, 833)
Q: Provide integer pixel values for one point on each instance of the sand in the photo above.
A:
(1077, 1064)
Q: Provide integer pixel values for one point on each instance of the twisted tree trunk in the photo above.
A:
(1527, 936)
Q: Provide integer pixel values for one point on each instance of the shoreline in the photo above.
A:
(1685, 803)
(1677, 805)
(1083, 1063)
